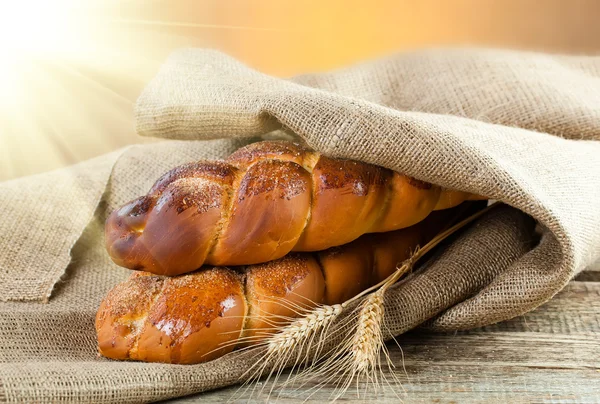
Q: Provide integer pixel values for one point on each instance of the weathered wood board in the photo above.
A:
(551, 355)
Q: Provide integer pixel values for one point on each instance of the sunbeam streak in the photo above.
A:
(54, 109)
(194, 25)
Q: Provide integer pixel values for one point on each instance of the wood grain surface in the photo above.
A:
(551, 355)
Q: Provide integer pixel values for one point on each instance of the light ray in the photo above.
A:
(182, 24)
(68, 81)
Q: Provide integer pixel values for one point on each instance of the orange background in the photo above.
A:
(93, 113)
(290, 37)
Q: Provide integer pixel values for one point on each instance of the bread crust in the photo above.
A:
(172, 319)
(266, 200)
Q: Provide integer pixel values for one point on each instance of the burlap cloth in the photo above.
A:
(518, 127)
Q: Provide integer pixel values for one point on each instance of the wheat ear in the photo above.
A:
(354, 358)
(360, 356)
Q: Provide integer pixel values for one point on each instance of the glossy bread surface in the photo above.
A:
(265, 200)
(185, 319)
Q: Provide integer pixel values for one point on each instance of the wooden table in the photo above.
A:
(551, 355)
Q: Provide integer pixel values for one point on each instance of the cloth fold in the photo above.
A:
(463, 119)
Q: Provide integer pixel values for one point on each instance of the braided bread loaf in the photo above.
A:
(200, 316)
(265, 200)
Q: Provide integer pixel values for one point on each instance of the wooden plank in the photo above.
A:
(575, 310)
(549, 355)
(518, 367)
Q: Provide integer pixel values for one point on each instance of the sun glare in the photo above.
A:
(33, 31)
(70, 71)
(37, 27)
(52, 111)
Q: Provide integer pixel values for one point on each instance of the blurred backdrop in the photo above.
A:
(70, 71)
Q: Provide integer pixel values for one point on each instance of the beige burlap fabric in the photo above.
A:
(520, 128)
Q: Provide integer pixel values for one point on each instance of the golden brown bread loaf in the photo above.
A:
(199, 316)
(265, 200)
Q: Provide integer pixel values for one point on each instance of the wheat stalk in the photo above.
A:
(294, 342)
(302, 329)
(355, 358)
(368, 339)
(359, 358)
